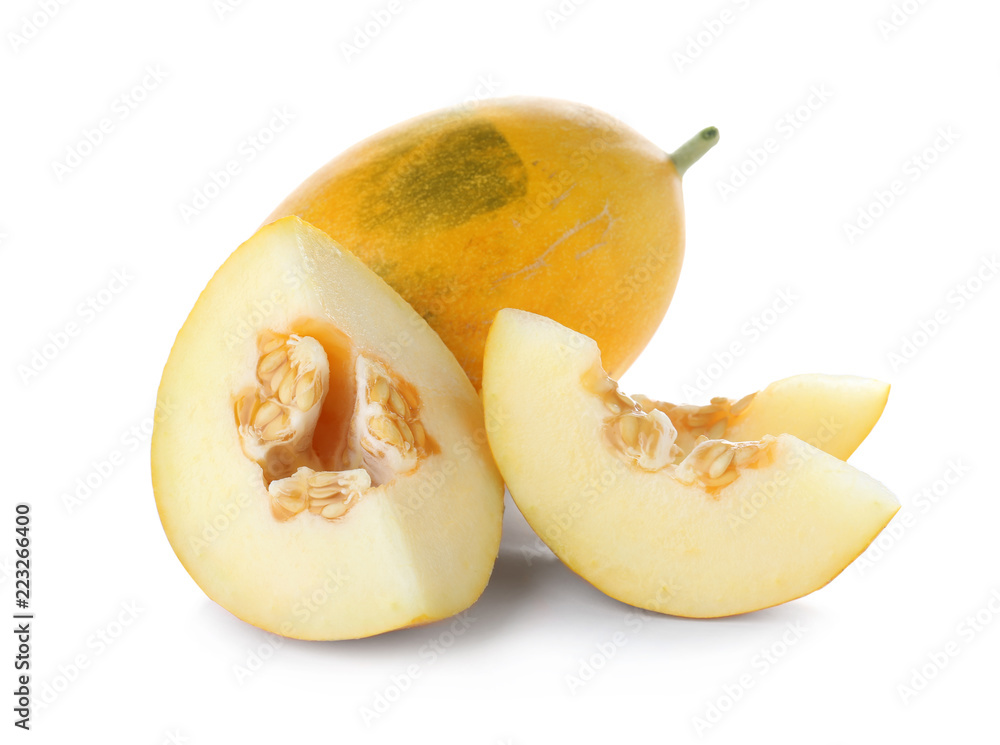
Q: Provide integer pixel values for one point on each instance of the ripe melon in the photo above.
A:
(324, 472)
(716, 529)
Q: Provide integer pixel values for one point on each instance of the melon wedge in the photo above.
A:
(723, 529)
(324, 472)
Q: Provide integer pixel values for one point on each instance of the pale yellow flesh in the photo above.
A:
(417, 549)
(834, 413)
(778, 532)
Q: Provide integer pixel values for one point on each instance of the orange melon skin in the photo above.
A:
(542, 205)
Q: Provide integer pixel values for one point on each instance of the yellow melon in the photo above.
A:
(531, 203)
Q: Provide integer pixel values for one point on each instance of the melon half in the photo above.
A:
(324, 473)
(666, 515)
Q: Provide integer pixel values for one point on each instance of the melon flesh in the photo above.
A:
(654, 527)
(832, 412)
(409, 533)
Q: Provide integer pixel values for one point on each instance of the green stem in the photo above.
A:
(688, 154)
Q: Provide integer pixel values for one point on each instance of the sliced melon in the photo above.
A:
(725, 528)
(324, 472)
(832, 412)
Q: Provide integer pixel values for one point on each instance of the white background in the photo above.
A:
(171, 674)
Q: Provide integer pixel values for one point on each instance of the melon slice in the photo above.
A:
(832, 412)
(725, 528)
(324, 472)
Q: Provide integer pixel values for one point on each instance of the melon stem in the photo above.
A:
(688, 154)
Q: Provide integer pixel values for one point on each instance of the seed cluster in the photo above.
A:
(276, 421)
(397, 422)
(717, 463)
(643, 438)
(386, 435)
(655, 435)
(329, 494)
(692, 422)
(648, 439)
(286, 369)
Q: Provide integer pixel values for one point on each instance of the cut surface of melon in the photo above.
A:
(720, 529)
(834, 413)
(323, 473)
